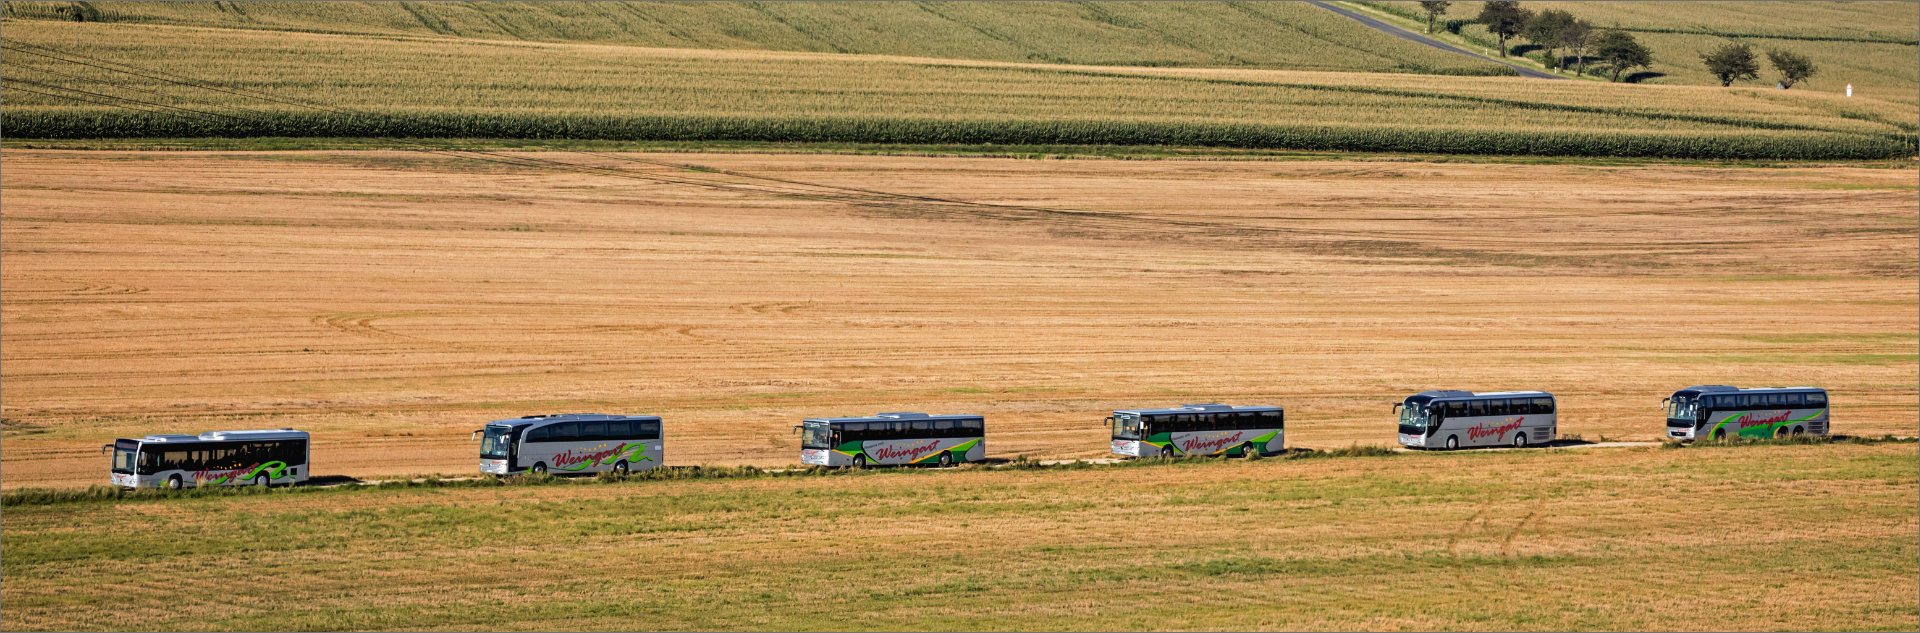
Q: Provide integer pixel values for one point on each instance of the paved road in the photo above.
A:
(1404, 34)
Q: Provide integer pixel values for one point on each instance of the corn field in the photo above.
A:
(241, 83)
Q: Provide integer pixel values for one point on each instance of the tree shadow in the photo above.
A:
(1524, 49)
(1642, 76)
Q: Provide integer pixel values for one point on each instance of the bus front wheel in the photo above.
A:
(1453, 442)
(173, 483)
(620, 467)
(1719, 434)
(946, 459)
(539, 468)
(1166, 452)
(859, 461)
(1782, 432)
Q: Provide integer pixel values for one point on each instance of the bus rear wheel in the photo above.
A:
(1453, 442)
(261, 480)
(620, 467)
(1782, 432)
(1520, 440)
(946, 459)
(174, 483)
(1249, 451)
(1799, 430)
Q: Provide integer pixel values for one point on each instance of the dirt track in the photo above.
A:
(392, 302)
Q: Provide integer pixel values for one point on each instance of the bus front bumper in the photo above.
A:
(1413, 440)
(493, 466)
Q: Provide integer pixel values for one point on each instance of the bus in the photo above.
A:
(893, 438)
(571, 443)
(213, 458)
(1452, 419)
(1199, 429)
(1716, 411)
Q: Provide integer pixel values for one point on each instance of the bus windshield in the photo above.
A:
(1681, 408)
(816, 435)
(1126, 426)
(1414, 414)
(493, 442)
(123, 460)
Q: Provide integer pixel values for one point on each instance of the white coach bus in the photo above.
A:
(213, 458)
(1452, 419)
(893, 438)
(571, 443)
(1199, 429)
(1717, 411)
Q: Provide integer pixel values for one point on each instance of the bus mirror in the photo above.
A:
(476, 435)
(1396, 407)
(796, 429)
(104, 448)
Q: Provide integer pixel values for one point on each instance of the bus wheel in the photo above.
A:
(1782, 432)
(946, 459)
(859, 461)
(1719, 434)
(173, 483)
(1799, 429)
(1453, 442)
(1248, 450)
(1166, 452)
(1520, 440)
(620, 467)
(539, 468)
(261, 480)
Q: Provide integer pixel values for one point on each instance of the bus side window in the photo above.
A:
(1457, 409)
(593, 430)
(1543, 406)
(945, 428)
(974, 428)
(921, 428)
(1497, 406)
(1817, 399)
(540, 434)
(1796, 400)
(650, 429)
(1476, 408)
(565, 432)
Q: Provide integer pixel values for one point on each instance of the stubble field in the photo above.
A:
(391, 302)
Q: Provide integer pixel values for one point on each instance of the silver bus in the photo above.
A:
(1452, 419)
(1199, 429)
(213, 458)
(571, 443)
(893, 438)
(1717, 411)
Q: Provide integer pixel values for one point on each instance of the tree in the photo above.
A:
(1544, 30)
(1504, 19)
(1793, 68)
(1730, 62)
(1434, 10)
(1619, 50)
(1577, 38)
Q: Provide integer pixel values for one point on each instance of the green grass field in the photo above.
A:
(1817, 536)
(1868, 44)
(1281, 35)
(439, 87)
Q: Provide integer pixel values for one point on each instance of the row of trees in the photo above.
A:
(1554, 31)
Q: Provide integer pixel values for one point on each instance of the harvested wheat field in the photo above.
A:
(392, 302)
